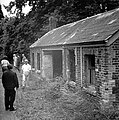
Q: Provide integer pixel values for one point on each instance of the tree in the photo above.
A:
(21, 31)
(1, 31)
(17, 36)
(1, 13)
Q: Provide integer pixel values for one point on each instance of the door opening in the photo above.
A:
(89, 70)
(57, 63)
(72, 65)
(52, 63)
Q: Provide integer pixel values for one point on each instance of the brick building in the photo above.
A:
(86, 51)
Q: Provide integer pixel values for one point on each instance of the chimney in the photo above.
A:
(52, 22)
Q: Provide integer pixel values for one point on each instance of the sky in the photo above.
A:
(6, 2)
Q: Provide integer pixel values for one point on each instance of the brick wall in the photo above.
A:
(114, 70)
(106, 65)
(107, 69)
(35, 51)
(78, 68)
(101, 64)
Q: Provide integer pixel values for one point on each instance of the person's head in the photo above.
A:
(26, 61)
(14, 55)
(23, 55)
(9, 66)
(5, 57)
(17, 54)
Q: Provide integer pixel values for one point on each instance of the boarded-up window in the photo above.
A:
(33, 64)
(38, 61)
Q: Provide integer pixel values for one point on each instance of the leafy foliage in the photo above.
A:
(19, 32)
(1, 13)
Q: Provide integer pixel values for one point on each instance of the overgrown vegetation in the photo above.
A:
(51, 100)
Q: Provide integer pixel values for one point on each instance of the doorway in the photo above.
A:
(89, 64)
(52, 63)
(71, 61)
(57, 63)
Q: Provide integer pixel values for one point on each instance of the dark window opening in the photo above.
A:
(33, 64)
(38, 61)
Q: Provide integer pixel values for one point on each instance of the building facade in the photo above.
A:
(86, 51)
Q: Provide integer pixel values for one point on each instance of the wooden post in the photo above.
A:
(42, 69)
(81, 66)
(64, 62)
(76, 57)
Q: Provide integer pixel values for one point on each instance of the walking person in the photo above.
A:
(23, 58)
(18, 62)
(15, 60)
(26, 68)
(4, 63)
(10, 84)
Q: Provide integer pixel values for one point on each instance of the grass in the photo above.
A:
(51, 100)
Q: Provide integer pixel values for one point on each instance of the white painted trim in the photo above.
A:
(42, 54)
(64, 63)
(76, 56)
(41, 60)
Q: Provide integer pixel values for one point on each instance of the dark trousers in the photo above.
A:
(9, 98)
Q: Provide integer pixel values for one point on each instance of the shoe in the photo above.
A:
(12, 109)
(7, 109)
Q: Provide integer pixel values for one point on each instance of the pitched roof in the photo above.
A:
(92, 29)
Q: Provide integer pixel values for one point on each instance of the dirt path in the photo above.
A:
(5, 115)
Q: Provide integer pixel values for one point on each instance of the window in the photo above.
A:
(38, 61)
(33, 64)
